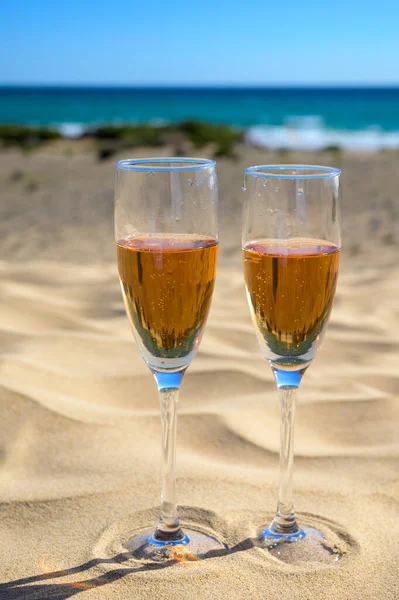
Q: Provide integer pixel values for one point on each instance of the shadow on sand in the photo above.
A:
(30, 588)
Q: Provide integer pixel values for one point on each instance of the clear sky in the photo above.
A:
(204, 42)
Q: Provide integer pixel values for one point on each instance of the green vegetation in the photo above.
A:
(140, 135)
(333, 148)
(113, 138)
(110, 139)
(202, 134)
(26, 137)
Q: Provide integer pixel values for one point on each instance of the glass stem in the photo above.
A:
(168, 528)
(285, 522)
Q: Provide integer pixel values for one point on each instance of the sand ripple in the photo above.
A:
(79, 439)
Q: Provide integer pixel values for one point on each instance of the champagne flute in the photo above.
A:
(291, 251)
(166, 228)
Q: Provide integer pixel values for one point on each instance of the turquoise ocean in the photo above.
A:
(303, 118)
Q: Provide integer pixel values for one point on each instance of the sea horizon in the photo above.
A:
(354, 117)
(211, 86)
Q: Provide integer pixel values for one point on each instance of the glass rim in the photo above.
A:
(277, 171)
(150, 164)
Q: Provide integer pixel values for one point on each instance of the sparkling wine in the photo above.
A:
(167, 283)
(290, 287)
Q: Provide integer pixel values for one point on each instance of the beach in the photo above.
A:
(80, 431)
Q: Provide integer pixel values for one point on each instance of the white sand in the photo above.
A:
(79, 433)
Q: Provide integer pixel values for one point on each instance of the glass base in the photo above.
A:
(193, 546)
(304, 546)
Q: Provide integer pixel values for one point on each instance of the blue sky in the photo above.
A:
(204, 42)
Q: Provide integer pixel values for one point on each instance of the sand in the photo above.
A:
(79, 428)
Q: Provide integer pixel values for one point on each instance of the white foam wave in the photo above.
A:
(310, 133)
(71, 130)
